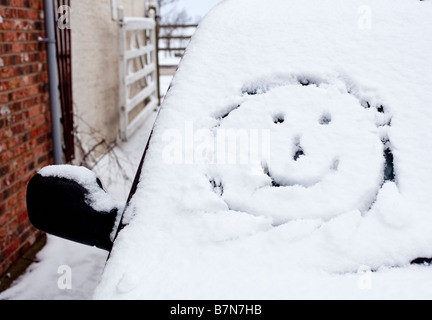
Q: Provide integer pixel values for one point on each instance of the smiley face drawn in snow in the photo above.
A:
(328, 150)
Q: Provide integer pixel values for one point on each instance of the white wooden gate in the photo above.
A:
(137, 71)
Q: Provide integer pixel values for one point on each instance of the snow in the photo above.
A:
(333, 110)
(40, 282)
(164, 84)
(301, 205)
(97, 197)
(168, 60)
(195, 8)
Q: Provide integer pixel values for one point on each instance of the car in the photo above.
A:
(290, 153)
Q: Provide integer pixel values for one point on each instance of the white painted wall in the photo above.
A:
(95, 69)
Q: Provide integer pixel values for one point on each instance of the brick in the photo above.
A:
(23, 216)
(41, 159)
(12, 225)
(5, 134)
(39, 120)
(19, 150)
(12, 142)
(7, 181)
(21, 172)
(5, 216)
(10, 36)
(4, 48)
(17, 47)
(36, 4)
(4, 98)
(33, 90)
(23, 229)
(3, 146)
(4, 170)
(16, 3)
(12, 248)
(12, 83)
(6, 156)
(12, 201)
(3, 232)
(34, 111)
(33, 14)
(6, 25)
(16, 25)
(31, 166)
(15, 118)
(25, 140)
(10, 13)
(7, 193)
(19, 128)
(7, 72)
(38, 26)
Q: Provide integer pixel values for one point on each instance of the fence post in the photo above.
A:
(124, 117)
(155, 41)
(114, 12)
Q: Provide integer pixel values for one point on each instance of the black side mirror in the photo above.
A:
(69, 202)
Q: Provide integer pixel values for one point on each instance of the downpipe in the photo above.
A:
(53, 81)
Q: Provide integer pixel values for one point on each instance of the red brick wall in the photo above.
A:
(25, 140)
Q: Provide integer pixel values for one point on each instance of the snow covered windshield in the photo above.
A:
(295, 141)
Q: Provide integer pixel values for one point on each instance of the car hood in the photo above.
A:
(332, 101)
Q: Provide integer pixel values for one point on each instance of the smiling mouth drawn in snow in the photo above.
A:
(329, 149)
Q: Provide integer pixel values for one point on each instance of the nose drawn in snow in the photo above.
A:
(389, 171)
(298, 150)
(389, 174)
(217, 187)
(335, 165)
(325, 119)
(279, 118)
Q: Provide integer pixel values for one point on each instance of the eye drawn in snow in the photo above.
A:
(326, 148)
(252, 92)
(306, 82)
(227, 113)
